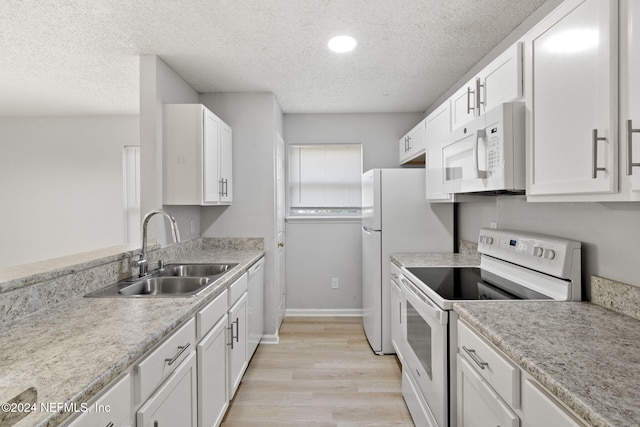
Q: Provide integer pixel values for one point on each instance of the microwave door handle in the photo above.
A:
(480, 133)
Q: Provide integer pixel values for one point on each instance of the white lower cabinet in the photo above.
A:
(478, 404)
(237, 347)
(111, 408)
(174, 403)
(213, 399)
(490, 393)
(255, 307)
(397, 321)
(542, 409)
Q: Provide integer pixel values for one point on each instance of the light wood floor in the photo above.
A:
(322, 373)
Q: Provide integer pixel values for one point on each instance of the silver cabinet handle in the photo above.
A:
(472, 354)
(181, 350)
(111, 425)
(237, 322)
(231, 343)
(630, 132)
(479, 101)
(594, 156)
(470, 108)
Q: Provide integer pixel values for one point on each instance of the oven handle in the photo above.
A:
(434, 311)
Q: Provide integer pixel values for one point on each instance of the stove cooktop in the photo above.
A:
(471, 283)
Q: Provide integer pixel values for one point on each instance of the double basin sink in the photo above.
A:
(174, 280)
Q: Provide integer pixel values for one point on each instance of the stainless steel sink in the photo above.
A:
(195, 270)
(166, 286)
(174, 280)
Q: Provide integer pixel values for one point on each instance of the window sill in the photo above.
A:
(323, 219)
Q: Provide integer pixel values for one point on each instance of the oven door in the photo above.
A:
(425, 350)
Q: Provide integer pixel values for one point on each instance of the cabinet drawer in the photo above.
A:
(501, 374)
(237, 289)
(112, 408)
(210, 314)
(162, 361)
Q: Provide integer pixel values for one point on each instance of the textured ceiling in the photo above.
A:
(81, 56)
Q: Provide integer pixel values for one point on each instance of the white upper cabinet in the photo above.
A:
(438, 130)
(571, 91)
(630, 98)
(197, 157)
(501, 81)
(412, 146)
(497, 83)
(464, 104)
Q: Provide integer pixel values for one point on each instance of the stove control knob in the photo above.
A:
(549, 254)
(488, 240)
(537, 251)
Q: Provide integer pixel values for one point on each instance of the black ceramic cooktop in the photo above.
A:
(471, 283)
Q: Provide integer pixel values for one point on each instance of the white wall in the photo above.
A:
(61, 185)
(160, 85)
(610, 232)
(316, 251)
(254, 118)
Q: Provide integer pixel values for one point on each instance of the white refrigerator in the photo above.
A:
(396, 218)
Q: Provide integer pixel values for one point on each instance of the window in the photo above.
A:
(325, 180)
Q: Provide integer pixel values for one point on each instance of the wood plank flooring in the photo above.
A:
(322, 373)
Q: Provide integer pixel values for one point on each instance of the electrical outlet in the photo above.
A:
(493, 224)
(192, 225)
(335, 283)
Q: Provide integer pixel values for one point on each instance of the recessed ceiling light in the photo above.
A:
(341, 44)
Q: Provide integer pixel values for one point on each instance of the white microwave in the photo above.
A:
(487, 154)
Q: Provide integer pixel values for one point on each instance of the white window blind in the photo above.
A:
(325, 179)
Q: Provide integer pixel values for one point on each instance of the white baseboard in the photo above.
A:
(307, 312)
(270, 338)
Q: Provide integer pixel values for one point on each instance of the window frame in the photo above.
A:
(330, 213)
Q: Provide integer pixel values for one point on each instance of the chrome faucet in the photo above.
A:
(142, 262)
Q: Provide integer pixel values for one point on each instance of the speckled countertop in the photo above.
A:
(71, 351)
(435, 260)
(586, 355)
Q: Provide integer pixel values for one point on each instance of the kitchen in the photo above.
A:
(607, 231)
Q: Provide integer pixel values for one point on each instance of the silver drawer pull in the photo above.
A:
(472, 354)
(109, 425)
(181, 350)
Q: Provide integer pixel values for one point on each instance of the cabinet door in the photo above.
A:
(502, 79)
(478, 404)
(412, 145)
(226, 172)
(463, 104)
(174, 403)
(255, 307)
(540, 410)
(237, 345)
(211, 158)
(113, 408)
(630, 93)
(571, 97)
(396, 318)
(212, 376)
(438, 125)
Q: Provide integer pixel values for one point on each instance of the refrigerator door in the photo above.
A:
(372, 287)
(371, 199)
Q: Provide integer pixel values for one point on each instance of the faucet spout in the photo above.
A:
(142, 261)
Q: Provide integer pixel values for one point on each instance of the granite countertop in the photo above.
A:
(71, 351)
(435, 260)
(586, 355)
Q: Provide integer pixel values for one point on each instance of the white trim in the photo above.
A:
(323, 219)
(308, 312)
(270, 339)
